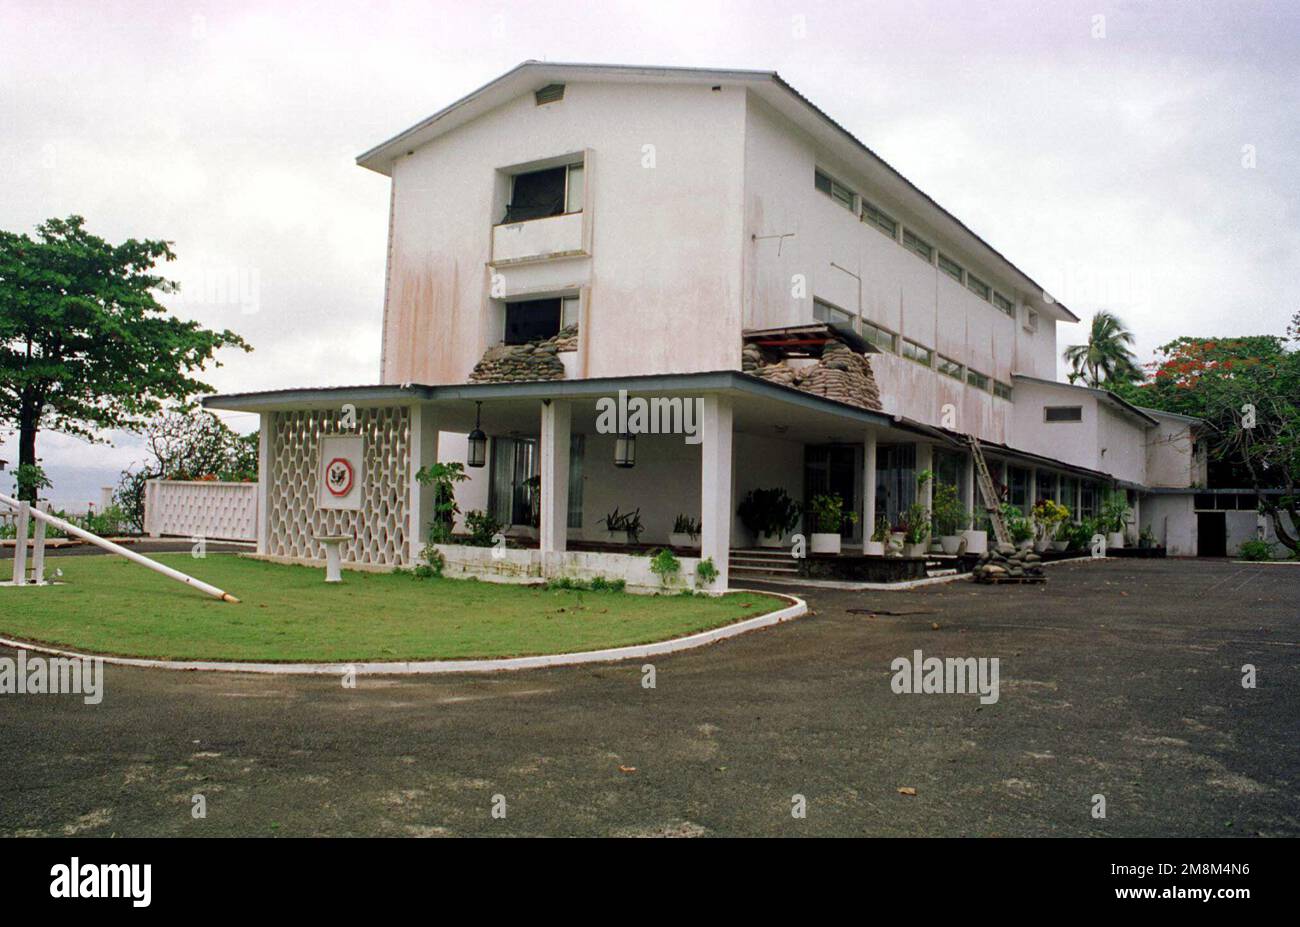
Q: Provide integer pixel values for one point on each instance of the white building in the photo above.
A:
(694, 226)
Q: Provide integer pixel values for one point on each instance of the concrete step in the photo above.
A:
(762, 571)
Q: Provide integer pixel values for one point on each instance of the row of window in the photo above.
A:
(886, 340)
(882, 221)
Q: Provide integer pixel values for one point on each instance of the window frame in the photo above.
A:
(1009, 309)
(977, 286)
(1003, 390)
(877, 218)
(971, 372)
(905, 343)
(959, 376)
(929, 251)
(848, 319)
(869, 327)
(959, 276)
(835, 187)
(1062, 421)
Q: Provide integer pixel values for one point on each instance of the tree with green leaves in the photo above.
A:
(85, 345)
(1107, 357)
(1247, 392)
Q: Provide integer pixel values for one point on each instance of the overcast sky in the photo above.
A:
(1140, 157)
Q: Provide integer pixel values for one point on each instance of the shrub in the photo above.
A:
(434, 562)
(705, 572)
(950, 516)
(666, 566)
(827, 511)
(1256, 550)
(482, 528)
(768, 511)
(686, 525)
(443, 477)
(626, 521)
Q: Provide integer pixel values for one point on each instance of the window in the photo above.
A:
(1018, 488)
(1063, 413)
(977, 380)
(532, 320)
(568, 312)
(916, 352)
(1087, 500)
(825, 312)
(881, 338)
(1031, 320)
(513, 485)
(834, 189)
(949, 367)
(918, 246)
(1002, 390)
(874, 216)
(1004, 304)
(1046, 486)
(550, 192)
(978, 286)
(551, 93)
(950, 267)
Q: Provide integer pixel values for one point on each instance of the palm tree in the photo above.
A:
(1107, 357)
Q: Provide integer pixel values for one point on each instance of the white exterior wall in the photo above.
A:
(1121, 445)
(1172, 522)
(201, 509)
(1071, 442)
(663, 280)
(899, 291)
(1171, 457)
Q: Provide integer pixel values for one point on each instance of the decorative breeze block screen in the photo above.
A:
(381, 524)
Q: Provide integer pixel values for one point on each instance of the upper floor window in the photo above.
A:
(1063, 413)
(978, 286)
(951, 267)
(1004, 304)
(834, 189)
(917, 352)
(977, 380)
(873, 216)
(880, 337)
(551, 93)
(1031, 320)
(826, 312)
(537, 319)
(918, 246)
(949, 367)
(549, 192)
(1002, 390)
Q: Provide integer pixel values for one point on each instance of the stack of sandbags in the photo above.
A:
(537, 360)
(1003, 561)
(842, 375)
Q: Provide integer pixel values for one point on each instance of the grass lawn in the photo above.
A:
(288, 613)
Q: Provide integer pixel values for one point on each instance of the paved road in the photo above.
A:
(1120, 678)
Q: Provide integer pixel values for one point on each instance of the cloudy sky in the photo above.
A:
(1134, 156)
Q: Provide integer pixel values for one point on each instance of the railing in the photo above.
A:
(201, 509)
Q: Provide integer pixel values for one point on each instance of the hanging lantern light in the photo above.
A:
(477, 440)
(625, 451)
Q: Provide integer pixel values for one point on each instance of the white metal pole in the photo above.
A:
(110, 546)
(20, 543)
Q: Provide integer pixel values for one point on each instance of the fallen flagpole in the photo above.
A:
(20, 541)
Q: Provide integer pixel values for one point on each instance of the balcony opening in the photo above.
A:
(541, 194)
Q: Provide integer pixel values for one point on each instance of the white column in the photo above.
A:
(925, 461)
(1031, 494)
(868, 486)
(715, 486)
(265, 426)
(420, 498)
(557, 418)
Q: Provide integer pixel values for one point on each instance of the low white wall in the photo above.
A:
(509, 565)
(1172, 521)
(199, 509)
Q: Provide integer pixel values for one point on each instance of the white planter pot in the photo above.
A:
(1060, 545)
(616, 537)
(914, 550)
(1115, 539)
(769, 540)
(1042, 544)
(950, 543)
(977, 542)
(825, 543)
(874, 548)
(678, 539)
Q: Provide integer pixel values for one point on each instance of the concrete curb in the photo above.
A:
(796, 609)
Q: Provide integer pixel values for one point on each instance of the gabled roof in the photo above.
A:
(1103, 394)
(769, 86)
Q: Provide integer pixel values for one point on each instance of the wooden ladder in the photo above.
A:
(987, 491)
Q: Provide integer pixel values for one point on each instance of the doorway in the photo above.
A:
(836, 469)
(1211, 534)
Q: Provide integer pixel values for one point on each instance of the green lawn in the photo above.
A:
(288, 613)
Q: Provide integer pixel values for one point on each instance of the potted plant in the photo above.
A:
(917, 520)
(1064, 536)
(1019, 527)
(977, 539)
(768, 514)
(950, 517)
(685, 533)
(1114, 515)
(828, 516)
(1046, 515)
(623, 527)
(876, 546)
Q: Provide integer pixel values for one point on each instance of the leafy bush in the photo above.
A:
(1256, 550)
(665, 565)
(434, 562)
(443, 477)
(1019, 527)
(625, 521)
(768, 511)
(882, 528)
(482, 528)
(950, 516)
(827, 511)
(705, 572)
(686, 525)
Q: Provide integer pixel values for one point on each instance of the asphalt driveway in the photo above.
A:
(1117, 678)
